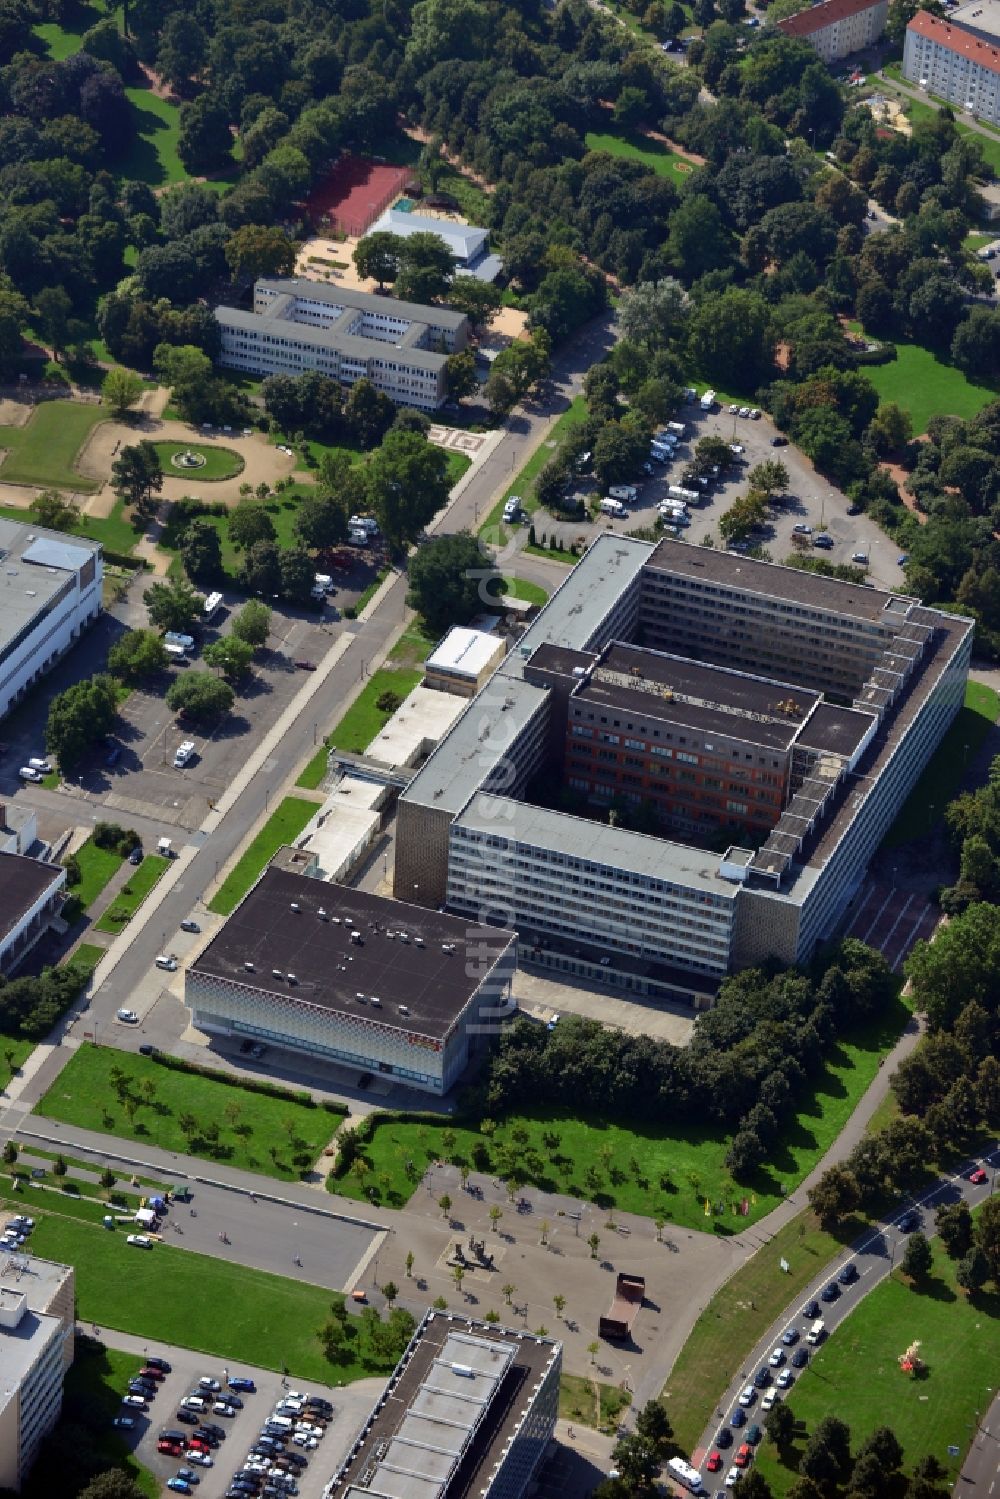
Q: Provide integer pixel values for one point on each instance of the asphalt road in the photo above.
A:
(981, 1469)
(874, 1255)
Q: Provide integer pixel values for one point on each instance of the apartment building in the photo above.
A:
(37, 1309)
(808, 708)
(958, 58)
(297, 325)
(838, 28)
(470, 1409)
(336, 973)
(52, 593)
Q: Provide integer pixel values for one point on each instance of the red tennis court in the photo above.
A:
(355, 192)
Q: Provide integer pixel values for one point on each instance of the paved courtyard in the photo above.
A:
(542, 997)
(893, 920)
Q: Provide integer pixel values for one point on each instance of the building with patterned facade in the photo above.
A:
(838, 28)
(354, 978)
(37, 1319)
(957, 57)
(796, 710)
(469, 1411)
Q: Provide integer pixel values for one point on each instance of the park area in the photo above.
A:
(138, 1098)
(925, 386)
(856, 1374)
(650, 150)
(633, 1169)
(42, 450)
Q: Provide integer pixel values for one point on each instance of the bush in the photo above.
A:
(388, 702)
(110, 835)
(72, 868)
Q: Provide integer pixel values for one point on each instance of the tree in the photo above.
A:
(59, 1167)
(205, 143)
(620, 448)
(14, 314)
(9, 1153)
(78, 717)
(986, 1234)
(173, 605)
(479, 300)
(637, 1463)
(769, 477)
(827, 1456)
(253, 623)
(55, 512)
(182, 52)
(137, 476)
(199, 697)
(321, 520)
(451, 579)
(121, 389)
(953, 1222)
(188, 372)
(261, 569)
(731, 338)
(917, 1259)
(444, 1203)
(379, 256)
(460, 375)
(407, 484)
(201, 552)
(390, 1291)
(427, 266)
(653, 312)
(259, 250)
(248, 524)
(972, 1271)
(653, 1424)
(114, 1484)
(298, 574)
(891, 428)
(962, 964)
(137, 654)
(231, 656)
(53, 310)
(780, 1424)
(594, 1242)
(751, 1484)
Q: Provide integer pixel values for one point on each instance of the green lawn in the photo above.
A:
(256, 1132)
(220, 463)
(653, 154)
(42, 451)
(97, 867)
(64, 39)
(133, 893)
(588, 1402)
(86, 956)
(531, 593)
(283, 826)
(943, 777)
(640, 1169)
(14, 1052)
(736, 1318)
(152, 156)
(113, 531)
(169, 1295)
(856, 1376)
(523, 485)
(924, 386)
(458, 464)
(367, 594)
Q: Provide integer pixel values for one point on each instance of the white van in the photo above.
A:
(679, 427)
(175, 653)
(283, 1423)
(366, 523)
(183, 753)
(324, 581)
(613, 507)
(817, 1332)
(625, 492)
(357, 538)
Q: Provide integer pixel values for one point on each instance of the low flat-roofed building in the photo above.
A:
(18, 828)
(468, 244)
(354, 978)
(418, 724)
(30, 898)
(344, 828)
(467, 1414)
(37, 1309)
(463, 660)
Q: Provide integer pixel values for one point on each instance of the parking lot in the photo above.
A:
(350, 1405)
(811, 500)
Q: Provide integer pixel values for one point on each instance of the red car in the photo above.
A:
(714, 1463)
(199, 1444)
(170, 1448)
(151, 1373)
(978, 1176)
(743, 1456)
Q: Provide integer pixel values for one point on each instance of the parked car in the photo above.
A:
(154, 1362)
(724, 1437)
(178, 1485)
(714, 1462)
(738, 1418)
(790, 1336)
(29, 773)
(909, 1221)
(779, 441)
(188, 1473)
(135, 1402)
(786, 1378)
(206, 1382)
(769, 1401)
(188, 1417)
(170, 1449)
(190, 925)
(754, 1435)
(810, 1311)
(128, 1017)
(748, 1395)
(125, 1423)
(777, 1358)
(241, 1382)
(849, 1274)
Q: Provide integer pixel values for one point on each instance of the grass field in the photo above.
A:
(591, 1403)
(855, 1373)
(940, 782)
(113, 531)
(524, 484)
(654, 154)
(283, 826)
(170, 1295)
(97, 867)
(639, 1169)
(220, 463)
(255, 1132)
(42, 451)
(531, 593)
(152, 156)
(86, 956)
(14, 1052)
(133, 893)
(924, 386)
(364, 718)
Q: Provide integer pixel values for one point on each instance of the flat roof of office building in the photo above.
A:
(978, 15)
(23, 882)
(367, 301)
(36, 567)
(416, 727)
(448, 1413)
(675, 689)
(836, 729)
(329, 338)
(770, 580)
(597, 843)
(401, 958)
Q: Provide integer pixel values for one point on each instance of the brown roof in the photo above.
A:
(826, 14)
(956, 39)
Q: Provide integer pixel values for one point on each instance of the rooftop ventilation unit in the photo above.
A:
(464, 1370)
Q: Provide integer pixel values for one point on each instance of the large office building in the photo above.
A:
(958, 57)
(761, 725)
(51, 592)
(468, 1414)
(838, 28)
(37, 1311)
(348, 977)
(296, 325)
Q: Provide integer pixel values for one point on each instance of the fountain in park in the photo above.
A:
(188, 460)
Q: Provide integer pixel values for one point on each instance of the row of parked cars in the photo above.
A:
(197, 1446)
(15, 1235)
(272, 1465)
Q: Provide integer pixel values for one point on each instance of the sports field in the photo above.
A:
(43, 451)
